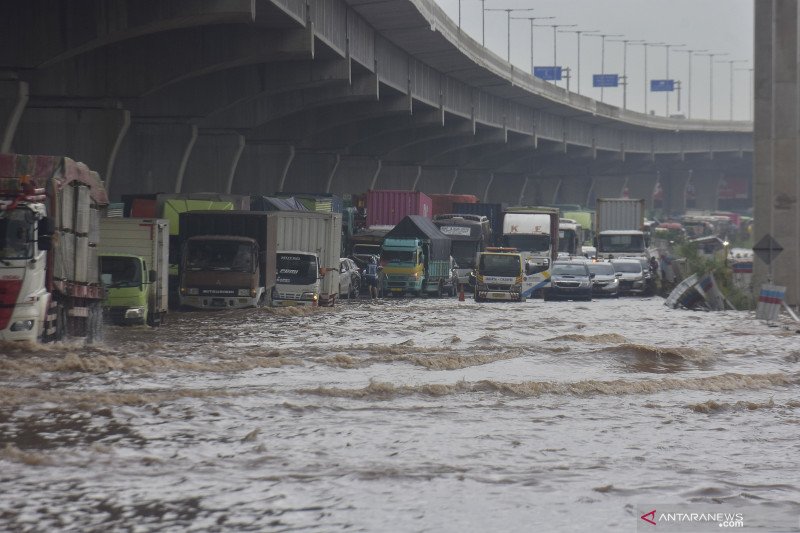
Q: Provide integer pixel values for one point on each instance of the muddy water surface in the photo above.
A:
(412, 415)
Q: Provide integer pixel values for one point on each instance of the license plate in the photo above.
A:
(497, 296)
(217, 302)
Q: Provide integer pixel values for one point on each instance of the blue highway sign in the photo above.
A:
(662, 85)
(605, 80)
(547, 73)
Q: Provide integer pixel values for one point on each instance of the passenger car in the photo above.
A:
(349, 278)
(632, 280)
(606, 279)
(569, 280)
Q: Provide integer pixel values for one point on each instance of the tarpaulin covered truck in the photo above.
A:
(134, 267)
(50, 209)
(416, 257)
(227, 259)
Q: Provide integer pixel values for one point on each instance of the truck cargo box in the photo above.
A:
(387, 208)
(442, 204)
(494, 212)
(619, 214)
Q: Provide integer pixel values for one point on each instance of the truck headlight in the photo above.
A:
(313, 296)
(22, 325)
(134, 312)
(243, 292)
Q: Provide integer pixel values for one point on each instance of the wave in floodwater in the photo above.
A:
(712, 406)
(725, 382)
(90, 399)
(644, 350)
(601, 338)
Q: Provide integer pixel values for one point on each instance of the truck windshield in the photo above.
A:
(398, 256)
(297, 269)
(118, 272)
(567, 241)
(527, 243)
(621, 243)
(366, 249)
(464, 253)
(500, 265)
(234, 256)
(16, 235)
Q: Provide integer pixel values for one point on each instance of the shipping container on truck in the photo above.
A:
(50, 208)
(318, 202)
(134, 267)
(309, 246)
(494, 212)
(228, 258)
(387, 208)
(619, 227)
(442, 204)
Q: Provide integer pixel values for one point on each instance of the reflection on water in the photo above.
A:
(401, 415)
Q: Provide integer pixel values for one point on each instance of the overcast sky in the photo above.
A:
(724, 26)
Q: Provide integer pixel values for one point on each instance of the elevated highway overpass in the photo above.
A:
(258, 96)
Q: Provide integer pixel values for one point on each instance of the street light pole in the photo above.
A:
(603, 54)
(689, 83)
(531, 19)
(645, 45)
(508, 26)
(711, 56)
(578, 33)
(625, 67)
(731, 62)
(555, 41)
(749, 90)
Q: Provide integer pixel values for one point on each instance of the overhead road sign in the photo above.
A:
(662, 86)
(605, 80)
(547, 73)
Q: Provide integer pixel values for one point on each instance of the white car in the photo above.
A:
(632, 280)
(349, 278)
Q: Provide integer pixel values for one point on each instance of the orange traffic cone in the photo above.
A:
(460, 292)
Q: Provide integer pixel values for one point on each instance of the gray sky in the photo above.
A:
(724, 26)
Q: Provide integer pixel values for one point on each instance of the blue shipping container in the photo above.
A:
(494, 212)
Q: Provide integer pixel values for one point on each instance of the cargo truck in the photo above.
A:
(469, 235)
(500, 274)
(570, 237)
(494, 212)
(415, 257)
(619, 227)
(533, 231)
(134, 268)
(308, 252)
(227, 259)
(50, 287)
(387, 208)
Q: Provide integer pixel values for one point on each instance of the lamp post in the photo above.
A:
(603, 53)
(689, 83)
(555, 40)
(645, 45)
(750, 90)
(711, 56)
(730, 62)
(625, 67)
(531, 19)
(578, 33)
(508, 26)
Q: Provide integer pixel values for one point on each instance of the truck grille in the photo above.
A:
(497, 287)
(568, 284)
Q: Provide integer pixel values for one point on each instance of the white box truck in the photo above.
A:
(619, 226)
(134, 268)
(307, 258)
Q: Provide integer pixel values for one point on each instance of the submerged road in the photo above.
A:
(403, 415)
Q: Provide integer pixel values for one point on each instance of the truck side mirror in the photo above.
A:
(46, 226)
(152, 275)
(45, 242)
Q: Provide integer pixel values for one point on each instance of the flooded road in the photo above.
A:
(402, 415)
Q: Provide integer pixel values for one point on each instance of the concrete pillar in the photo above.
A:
(506, 188)
(609, 186)
(355, 174)
(575, 190)
(401, 177)
(152, 158)
(92, 136)
(13, 99)
(777, 141)
(212, 162)
(473, 181)
(674, 185)
(260, 168)
(310, 172)
(436, 180)
(542, 190)
(706, 189)
(642, 186)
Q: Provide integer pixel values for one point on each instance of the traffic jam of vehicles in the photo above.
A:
(71, 261)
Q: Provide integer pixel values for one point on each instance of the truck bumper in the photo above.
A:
(499, 295)
(26, 321)
(218, 302)
(402, 285)
(125, 316)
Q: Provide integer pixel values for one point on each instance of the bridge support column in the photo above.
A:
(261, 167)
(212, 163)
(609, 186)
(542, 190)
(706, 189)
(674, 186)
(776, 137)
(506, 188)
(90, 135)
(13, 99)
(437, 180)
(642, 186)
(574, 190)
